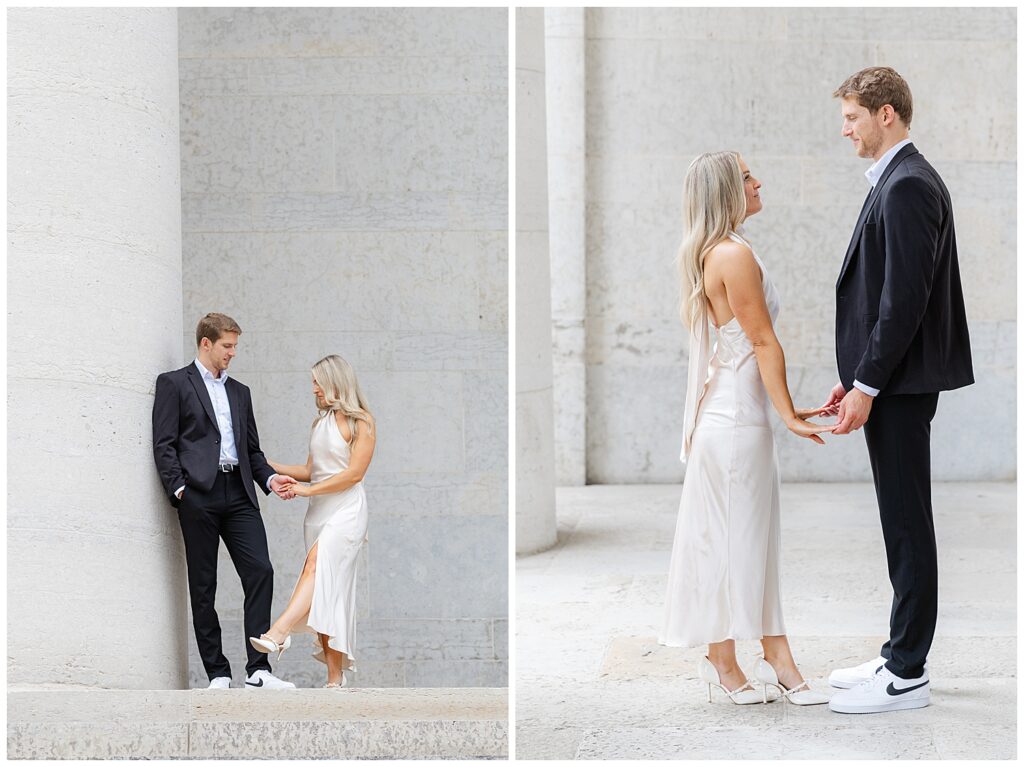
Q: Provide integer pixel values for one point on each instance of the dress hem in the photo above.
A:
(752, 638)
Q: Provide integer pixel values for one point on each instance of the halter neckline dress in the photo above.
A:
(337, 523)
(724, 578)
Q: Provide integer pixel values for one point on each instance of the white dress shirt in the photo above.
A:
(215, 387)
(873, 174)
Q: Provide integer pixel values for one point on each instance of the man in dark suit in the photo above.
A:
(207, 452)
(901, 338)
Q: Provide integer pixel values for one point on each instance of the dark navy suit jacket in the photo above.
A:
(901, 325)
(186, 440)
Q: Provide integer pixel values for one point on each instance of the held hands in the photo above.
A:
(282, 486)
(287, 487)
(831, 407)
(800, 423)
(854, 411)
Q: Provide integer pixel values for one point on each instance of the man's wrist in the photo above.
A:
(869, 390)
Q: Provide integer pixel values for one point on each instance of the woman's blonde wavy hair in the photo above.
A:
(341, 391)
(714, 203)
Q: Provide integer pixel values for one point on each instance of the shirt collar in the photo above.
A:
(874, 173)
(208, 376)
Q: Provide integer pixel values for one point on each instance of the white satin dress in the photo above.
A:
(723, 580)
(337, 522)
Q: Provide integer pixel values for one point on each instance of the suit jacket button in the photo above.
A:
(216, 441)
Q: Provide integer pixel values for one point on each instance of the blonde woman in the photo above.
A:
(341, 446)
(723, 583)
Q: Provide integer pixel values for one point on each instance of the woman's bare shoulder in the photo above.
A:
(729, 256)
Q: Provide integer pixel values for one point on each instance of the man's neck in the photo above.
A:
(893, 141)
(211, 369)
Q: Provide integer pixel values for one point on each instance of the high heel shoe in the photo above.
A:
(336, 685)
(709, 674)
(801, 695)
(268, 645)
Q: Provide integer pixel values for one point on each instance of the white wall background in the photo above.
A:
(344, 190)
(536, 527)
(95, 562)
(663, 85)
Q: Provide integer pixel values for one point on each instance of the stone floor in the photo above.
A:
(592, 682)
(358, 723)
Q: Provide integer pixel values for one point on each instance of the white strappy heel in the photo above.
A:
(268, 645)
(740, 696)
(801, 695)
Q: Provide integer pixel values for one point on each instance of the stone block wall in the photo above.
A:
(95, 561)
(663, 85)
(344, 190)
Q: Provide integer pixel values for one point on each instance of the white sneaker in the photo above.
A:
(846, 678)
(883, 692)
(220, 683)
(264, 679)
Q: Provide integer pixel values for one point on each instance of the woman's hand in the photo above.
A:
(803, 428)
(835, 397)
(299, 490)
(806, 414)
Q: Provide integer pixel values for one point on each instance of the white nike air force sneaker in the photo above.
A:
(851, 677)
(220, 683)
(883, 692)
(263, 679)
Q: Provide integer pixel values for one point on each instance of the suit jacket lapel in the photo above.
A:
(204, 396)
(857, 232)
(869, 203)
(236, 413)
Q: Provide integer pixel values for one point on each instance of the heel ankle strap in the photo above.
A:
(742, 688)
(802, 686)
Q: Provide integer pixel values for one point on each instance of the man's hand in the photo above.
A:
(831, 407)
(854, 410)
(282, 485)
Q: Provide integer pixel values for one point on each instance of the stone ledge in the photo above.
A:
(463, 723)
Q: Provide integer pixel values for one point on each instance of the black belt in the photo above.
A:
(227, 467)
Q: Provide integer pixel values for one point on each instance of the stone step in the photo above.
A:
(418, 723)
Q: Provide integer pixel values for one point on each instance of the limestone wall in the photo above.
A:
(344, 190)
(95, 562)
(663, 85)
(535, 439)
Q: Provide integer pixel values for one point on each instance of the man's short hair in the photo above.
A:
(875, 87)
(213, 326)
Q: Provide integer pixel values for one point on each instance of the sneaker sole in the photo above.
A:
(896, 705)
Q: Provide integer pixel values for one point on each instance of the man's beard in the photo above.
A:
(870, 147)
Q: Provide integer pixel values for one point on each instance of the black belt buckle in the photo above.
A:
(227, 467)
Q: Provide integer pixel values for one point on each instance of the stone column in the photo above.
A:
(96, 581)
(535, 454)
(566, 136)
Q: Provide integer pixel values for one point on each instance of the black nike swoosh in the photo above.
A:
(253, 684)
(893, 691)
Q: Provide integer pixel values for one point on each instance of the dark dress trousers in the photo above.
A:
(215, 505)
(901, 328)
